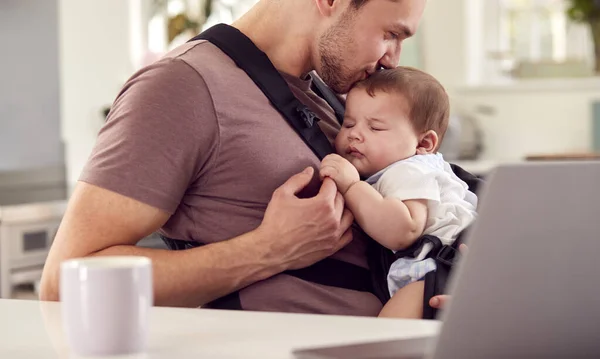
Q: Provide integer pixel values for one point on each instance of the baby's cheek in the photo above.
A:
(339, 143)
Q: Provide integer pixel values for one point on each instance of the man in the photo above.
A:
(193, 148)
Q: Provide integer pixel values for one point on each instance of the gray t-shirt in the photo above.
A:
(194, 136)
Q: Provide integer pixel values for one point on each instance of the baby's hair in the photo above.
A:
(427, 98)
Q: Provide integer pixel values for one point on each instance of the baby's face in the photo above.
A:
(376, 131)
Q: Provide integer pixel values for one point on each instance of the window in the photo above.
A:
(172, 22)
(159, 25)
(516, 35)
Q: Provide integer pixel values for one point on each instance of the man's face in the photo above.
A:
(365, 39)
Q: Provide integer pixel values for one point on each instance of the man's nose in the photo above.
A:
(391, 58)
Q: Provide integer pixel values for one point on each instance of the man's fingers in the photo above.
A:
(339, 205)
(463, 249)
(345, 239)
(328, 190)
(297, 182)
(439, 301)
(347, 220)
(327, 171)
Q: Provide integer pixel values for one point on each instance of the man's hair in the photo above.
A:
(427, 98)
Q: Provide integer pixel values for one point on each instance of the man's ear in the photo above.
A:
(428, 142)
(328, 8)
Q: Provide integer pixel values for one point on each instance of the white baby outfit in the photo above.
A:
(451, 207)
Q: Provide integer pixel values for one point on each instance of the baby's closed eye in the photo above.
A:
(378, 128)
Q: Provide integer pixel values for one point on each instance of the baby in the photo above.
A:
(394, 123)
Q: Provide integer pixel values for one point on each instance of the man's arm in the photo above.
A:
(101, 222)
(395, 224)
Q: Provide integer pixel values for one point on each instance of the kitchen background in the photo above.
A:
(522, 75)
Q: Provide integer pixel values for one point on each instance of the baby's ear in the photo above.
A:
(428, 143)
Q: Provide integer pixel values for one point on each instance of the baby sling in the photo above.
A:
(329, 271)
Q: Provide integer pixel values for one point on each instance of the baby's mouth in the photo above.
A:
(352, 151)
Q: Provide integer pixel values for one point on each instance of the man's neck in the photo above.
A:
(276, 31)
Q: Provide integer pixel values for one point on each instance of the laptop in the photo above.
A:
(529, 286)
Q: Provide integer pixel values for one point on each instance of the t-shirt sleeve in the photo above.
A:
(161, 136)
(406, 181)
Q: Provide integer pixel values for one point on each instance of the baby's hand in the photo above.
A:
(342, 172)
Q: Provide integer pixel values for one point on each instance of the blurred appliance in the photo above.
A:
(32, 203)
(463, 139)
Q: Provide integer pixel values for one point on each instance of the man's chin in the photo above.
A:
(338, 87)
(340, 90)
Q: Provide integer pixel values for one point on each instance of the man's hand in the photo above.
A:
(340, 170)
(300, 232)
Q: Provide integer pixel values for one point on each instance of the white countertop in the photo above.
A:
(32, 329)
(538, 85)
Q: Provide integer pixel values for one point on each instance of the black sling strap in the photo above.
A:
(256, 64)
(322, 90)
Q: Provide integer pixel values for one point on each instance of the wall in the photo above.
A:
(443, 34)
(542, 117)
(95, 62)
(29, 85)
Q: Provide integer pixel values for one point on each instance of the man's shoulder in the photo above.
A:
(191, 72)
(204, 58)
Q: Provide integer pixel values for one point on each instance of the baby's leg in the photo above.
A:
(406, 303)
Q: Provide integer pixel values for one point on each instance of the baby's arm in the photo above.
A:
(395, 224)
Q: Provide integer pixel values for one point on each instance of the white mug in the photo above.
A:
(106, 304)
